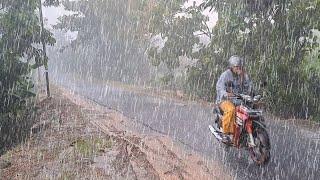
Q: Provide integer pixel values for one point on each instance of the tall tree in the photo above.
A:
(19, 32)
(20, 35)
(110, 31)
(177, 27)
(274, 37)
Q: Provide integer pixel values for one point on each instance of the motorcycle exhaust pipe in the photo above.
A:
(251, 140)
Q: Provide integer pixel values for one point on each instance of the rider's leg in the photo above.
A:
(228, 119)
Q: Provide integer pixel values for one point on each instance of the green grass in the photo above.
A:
(89, 147)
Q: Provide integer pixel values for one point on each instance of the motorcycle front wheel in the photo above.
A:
(260, 154)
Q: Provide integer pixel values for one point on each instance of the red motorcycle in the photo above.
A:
(250, 132)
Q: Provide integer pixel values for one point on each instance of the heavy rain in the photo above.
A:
(159, 89)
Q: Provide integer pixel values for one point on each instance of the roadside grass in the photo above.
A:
(88, 148)
(66, 175)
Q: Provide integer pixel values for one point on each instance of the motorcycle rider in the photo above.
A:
(233, 80)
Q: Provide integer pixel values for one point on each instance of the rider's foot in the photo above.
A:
(226, 138)
(251, 144)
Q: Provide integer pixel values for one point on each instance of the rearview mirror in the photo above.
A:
(257, 98)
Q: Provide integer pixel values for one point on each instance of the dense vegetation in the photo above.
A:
(110, 39)
(20, 31)
(277, 39)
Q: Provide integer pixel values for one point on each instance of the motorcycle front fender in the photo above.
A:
(259, 124)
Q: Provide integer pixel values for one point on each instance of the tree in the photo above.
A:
(110, 31)
(20, 33)
(274, 37)
(179, 33)
(20, 30)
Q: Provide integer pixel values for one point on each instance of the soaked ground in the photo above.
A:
(75, 138)
(295, 152)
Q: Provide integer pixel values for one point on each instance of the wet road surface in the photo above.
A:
(294, 155)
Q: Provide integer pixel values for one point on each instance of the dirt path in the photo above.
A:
(76, 138)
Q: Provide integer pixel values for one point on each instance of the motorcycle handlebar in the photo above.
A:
(245, 97)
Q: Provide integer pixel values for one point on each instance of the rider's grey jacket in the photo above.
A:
(231, 82)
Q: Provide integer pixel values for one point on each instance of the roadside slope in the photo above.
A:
(76, 138)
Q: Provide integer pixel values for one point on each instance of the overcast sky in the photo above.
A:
(52, 13)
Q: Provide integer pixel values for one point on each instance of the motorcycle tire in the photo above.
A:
(260, 154)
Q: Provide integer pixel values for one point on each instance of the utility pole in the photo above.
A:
(44, 55)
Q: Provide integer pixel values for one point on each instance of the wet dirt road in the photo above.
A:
(295, 154)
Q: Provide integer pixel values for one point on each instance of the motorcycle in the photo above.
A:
(250, 131)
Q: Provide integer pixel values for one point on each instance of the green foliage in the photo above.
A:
(201, 79)
(15, 127)
(51, 3)
(275, 37)
(19, 33)
(111, 33)
(312, 59)
(274, 48)
(166, 79)
(19, 30)
(89, 147)
(178, 30)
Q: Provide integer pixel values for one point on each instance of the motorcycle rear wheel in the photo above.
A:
(260, 154)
